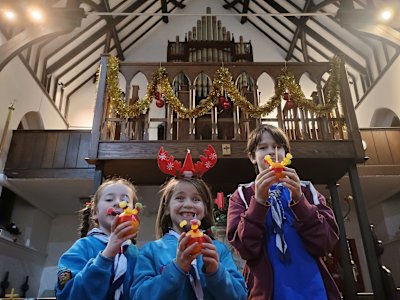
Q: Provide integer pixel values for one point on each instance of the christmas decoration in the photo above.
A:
(290, 104)
(160, 103)
(222, 86)
(220, 209)
(169, 166)
(159, 100)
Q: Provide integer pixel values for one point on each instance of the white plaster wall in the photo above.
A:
(16, 83)
(63, 233)
(386, 94)
(81, 106)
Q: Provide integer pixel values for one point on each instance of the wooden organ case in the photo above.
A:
(209, 43)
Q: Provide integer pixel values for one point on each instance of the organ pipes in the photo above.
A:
(209, 41)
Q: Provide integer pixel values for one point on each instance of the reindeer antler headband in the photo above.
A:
(169, 166)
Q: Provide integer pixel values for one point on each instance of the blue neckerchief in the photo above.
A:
(120, 264)
(288, 284)
(278, 218)
(194, 275)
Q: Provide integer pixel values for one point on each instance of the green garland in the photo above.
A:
(222, 82)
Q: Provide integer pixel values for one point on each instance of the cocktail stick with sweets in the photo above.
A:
(128, 214)
(277, 166)
(194, 234)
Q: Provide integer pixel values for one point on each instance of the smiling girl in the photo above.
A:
(167, 267)
(100, 264)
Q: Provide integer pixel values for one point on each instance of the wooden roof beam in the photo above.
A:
(320, 39)
(245, 11)
(231, 5)
(178, 4)
(299, 29)
(82, 46)
(164, 10)
(113, 31)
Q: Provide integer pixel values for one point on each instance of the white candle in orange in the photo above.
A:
(276, 154)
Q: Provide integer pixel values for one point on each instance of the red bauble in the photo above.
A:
(290, 104)
(222, 100)
(130, 218)
(286, 96)
(226, 105)
(160, 103)
(199, 240)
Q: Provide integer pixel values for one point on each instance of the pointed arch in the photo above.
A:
(385, 117)
(31, 120)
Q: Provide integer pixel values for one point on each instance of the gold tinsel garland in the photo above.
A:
(222, 82)
(114, 93)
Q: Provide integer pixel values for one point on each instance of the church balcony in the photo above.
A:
(323, 146)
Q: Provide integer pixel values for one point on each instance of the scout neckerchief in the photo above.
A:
(194, 275)
(120, 263)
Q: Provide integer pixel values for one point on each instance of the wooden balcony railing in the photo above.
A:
(300, 124)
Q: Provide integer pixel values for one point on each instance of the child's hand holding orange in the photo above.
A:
(210, 255)
(184, 254)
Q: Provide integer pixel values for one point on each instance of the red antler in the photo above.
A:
(167, 164)
(207, 162)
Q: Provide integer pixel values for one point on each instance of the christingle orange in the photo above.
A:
(195, 234)
(130, 215)
(278, 167)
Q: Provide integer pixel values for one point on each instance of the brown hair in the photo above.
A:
(86, 213)
(277, 134)
(164, 222)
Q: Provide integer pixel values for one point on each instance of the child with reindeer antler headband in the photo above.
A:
(180, 264)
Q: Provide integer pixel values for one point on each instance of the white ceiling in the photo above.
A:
(52, 196)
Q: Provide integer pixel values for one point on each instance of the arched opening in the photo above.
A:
(384, 117)
(31, 120)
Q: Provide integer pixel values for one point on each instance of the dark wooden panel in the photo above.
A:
(83, 151)
(315, 150)
(38, 150)
(149, 149)
(51, 173)
(35, 149)
(393, 138)
(16, 148)
(371, 150)
(48, 154)
(61, 150)
(27, 154)
(72, 150)
(382, 147)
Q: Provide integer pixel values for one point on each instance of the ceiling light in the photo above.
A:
(36, 15)
(386, 14)
(10, 15)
